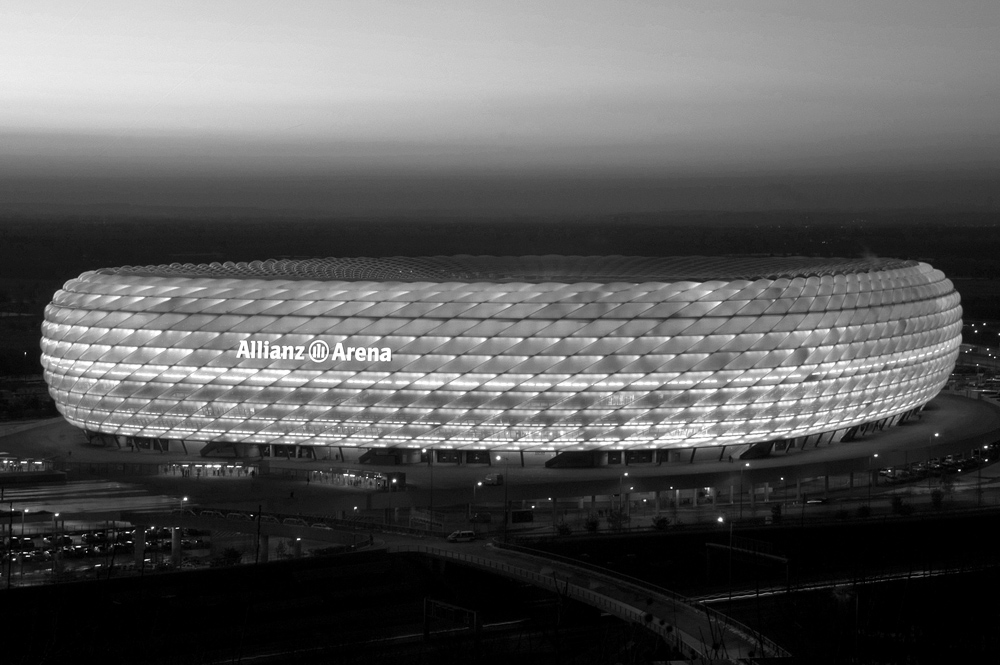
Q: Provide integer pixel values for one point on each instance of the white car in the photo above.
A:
(461, 536)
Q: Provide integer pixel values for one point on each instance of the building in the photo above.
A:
(468, 354)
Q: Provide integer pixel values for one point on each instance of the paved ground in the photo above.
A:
(959, 422)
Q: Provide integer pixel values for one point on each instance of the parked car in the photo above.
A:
(461, 536)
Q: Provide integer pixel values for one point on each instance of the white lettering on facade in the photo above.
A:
(317, 352)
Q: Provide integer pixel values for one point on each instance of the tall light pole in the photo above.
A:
(628, 510)
(741, 487)
(979, 480)
(430, 463)
(10, 534)
(506, 482)
(730, 558)
(871, 479)
(473, 504)
(621, 495)
(930, 441)
(56, 543)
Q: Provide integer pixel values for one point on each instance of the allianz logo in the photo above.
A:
(317, 351)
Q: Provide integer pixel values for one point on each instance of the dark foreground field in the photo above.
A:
(353, 608)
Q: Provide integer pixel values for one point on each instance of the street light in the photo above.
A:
(628, 509)
(621, 495)
(871, 479)
(506, 503)
(430, 463)
(10, 534)
(56, 543)
(474, 488)
(747, 465)
(930, 441)
(979, 480)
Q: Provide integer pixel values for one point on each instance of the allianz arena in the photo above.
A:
(476, 353)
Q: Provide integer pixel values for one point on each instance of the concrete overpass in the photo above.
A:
(693, 629)
(690, 627)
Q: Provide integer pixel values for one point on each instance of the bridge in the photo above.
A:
(691, 628)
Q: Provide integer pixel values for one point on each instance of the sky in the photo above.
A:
(513, 106)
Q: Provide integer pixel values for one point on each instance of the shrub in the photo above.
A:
(231, 556)
(563, 529)
(591, 524)
(661, 523)
(900, 508)
(864, 511)
(617, 519)
(776, 513)
(937, 498)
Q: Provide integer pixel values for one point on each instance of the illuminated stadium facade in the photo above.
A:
(543, 353)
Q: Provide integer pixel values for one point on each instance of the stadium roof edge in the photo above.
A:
(542, 268)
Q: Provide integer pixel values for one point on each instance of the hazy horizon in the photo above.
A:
(500, 108)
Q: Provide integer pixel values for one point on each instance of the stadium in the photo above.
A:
(464, 355)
